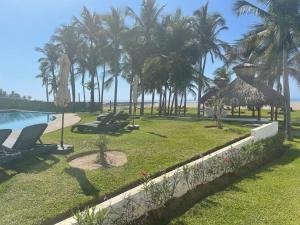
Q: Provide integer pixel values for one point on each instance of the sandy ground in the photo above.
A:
(90, 162)
(294, 105)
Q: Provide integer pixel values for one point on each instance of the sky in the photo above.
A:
(27, 24)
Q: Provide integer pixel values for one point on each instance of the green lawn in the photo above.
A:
(35, 189)
(268, 196)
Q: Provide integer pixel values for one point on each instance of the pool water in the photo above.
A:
(17, 120)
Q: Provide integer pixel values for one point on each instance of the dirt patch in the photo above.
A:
(91, 161)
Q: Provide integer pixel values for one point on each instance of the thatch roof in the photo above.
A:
(242, 93)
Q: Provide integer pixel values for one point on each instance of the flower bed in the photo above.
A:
(156, 193)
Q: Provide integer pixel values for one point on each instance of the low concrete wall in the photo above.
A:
(141, 200)
(265, 131)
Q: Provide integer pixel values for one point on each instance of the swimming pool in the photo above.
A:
(16, 120)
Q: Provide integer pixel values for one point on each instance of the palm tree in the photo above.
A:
(51, 56)
(280, 23)
(91, 31)
(82, 65)
(146, 23)
(67, 38)
(222, 77)
(207, 28)
(172, 66)
(105, 59)
(133, 58)
(44, 75)
(115, 27)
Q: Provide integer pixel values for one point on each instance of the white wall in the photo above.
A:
(208, 163)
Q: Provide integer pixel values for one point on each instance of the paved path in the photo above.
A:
(70, 119)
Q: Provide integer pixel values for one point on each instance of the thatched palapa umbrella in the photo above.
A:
(62, 99)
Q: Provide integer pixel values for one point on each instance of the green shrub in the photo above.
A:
(90, 217)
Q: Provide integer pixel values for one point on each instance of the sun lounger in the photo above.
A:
(27, 142)
(104, 115)
(107, 124)
(4, 133)
(4, 157)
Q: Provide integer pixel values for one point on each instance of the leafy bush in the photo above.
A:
(90, 217)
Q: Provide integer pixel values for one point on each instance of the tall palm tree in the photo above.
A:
(277, 29)
(222, 77)
(115, 27)
(133, 58)
(67, 38)
(146, 23)
(172, 66)
(91, 31)
(207, 28)
(51, 56)
(82, 65)
(44, 75)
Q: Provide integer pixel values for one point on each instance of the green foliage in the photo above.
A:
(90, 217)
(216, 104)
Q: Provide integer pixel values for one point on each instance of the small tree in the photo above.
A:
(216, 103)
(101, 143)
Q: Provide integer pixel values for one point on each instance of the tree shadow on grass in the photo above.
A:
(27, 164)
(157, 134)
(109, 133)
(86, 186)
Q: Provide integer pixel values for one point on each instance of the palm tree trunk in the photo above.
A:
(143, 97)
(286, 88)
(130, 99)
(47, 90)
(102, 89)
(272, 113)
(176, 101)
(116, 94)
(160, 101)
(279, 91)
(98, 85)
(73, 83)
(172, 105)
(201, 76)
(53, 82)
(92, 104)
(165, 100)
(180, 106)
(83, 86)
(199, 88)
(152, 102)
(169, 101)
(184, 112)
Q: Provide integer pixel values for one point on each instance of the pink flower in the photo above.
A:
(226, 159)
(144, 173)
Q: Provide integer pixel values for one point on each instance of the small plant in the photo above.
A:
(101, 143)
(90, 217)
(217, 106)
